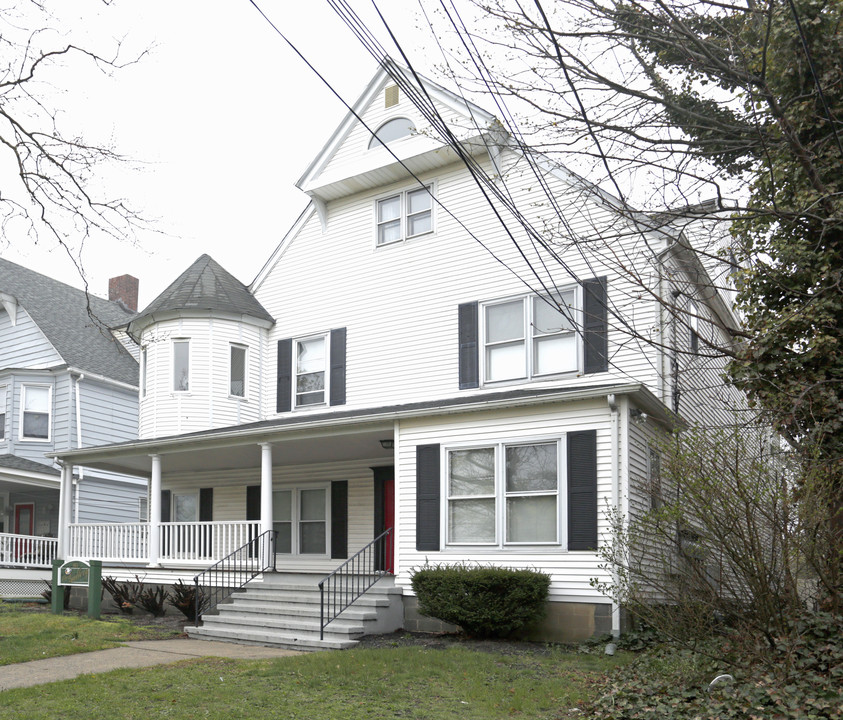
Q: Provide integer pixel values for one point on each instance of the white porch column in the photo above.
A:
(154, 510)
(266, 487)
(65, 498)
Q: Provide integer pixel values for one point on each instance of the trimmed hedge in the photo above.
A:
(483, 601)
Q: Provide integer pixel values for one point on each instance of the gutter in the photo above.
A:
(80, 469)
(101, 378)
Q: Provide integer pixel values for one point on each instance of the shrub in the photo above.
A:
(183, 598)
(152, 600)
(125, 595)
(48, 594)
(483, 601)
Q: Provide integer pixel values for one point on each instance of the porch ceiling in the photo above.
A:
(329, 445)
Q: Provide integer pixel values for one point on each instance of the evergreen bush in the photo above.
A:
(483, 601)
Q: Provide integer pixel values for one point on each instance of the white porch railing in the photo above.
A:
(110, 542)
(27, 550)
(179, 543)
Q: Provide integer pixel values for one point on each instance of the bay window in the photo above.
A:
(35, 412)
(504, 494)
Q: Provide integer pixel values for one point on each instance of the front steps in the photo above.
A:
(283, 611)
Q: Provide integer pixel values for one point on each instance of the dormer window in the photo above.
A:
(392, 130)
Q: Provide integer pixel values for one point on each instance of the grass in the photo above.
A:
(408, 682)
(26, 635)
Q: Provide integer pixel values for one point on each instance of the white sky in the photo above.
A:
(222, 117)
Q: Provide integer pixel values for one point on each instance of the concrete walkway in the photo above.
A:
(140, 653)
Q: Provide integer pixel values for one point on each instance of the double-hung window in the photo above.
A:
(300, 516)
(237, 371)
(504, 494)
(530, 337)
(35, 412)
(404, 215)
(310, 358)
(181, 365)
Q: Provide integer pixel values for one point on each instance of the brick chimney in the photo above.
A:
(124, 290)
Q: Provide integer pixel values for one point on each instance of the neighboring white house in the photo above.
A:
(405, 362)
(65, 382)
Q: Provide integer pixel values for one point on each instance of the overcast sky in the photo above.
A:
(222, 118)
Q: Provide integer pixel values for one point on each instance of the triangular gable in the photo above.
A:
(346, 164)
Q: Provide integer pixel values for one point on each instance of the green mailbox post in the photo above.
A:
(77, 573)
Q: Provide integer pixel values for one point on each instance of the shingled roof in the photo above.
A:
(61, 313)
(206, 286)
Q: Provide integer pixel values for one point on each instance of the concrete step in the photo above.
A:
(290, 641)
(338, 627)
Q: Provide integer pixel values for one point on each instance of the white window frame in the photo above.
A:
(173, 343)
(693, 326)
(245, 348)
(326, 389)
(49, 388)
(376, 141)
(529, 337)
(144, 370)
(403, 215)
(143, 509)
(174, 495)
(295, 519)
(501, 543)
(4, 392)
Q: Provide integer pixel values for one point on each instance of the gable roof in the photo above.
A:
(205, 287)
(61, 312)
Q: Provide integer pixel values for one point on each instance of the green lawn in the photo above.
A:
(28, 635)
(407, 682)
(401, 682)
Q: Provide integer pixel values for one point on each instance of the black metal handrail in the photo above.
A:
(233, 572)
(353, 578)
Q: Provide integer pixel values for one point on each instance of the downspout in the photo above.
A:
(616, 496)
(79, 379)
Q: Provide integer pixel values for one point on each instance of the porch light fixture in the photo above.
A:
(388, 444)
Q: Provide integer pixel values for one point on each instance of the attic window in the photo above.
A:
(392, 130)
(390, 96)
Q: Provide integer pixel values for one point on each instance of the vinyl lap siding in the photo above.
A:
(24, 345)
(570, 571)
(109, 414)
(400, 301)
(103, 500)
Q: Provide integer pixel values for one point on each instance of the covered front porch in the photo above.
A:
(322, 484)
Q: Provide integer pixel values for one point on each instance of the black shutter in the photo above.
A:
(469, 359)
(338, 367)
(595, 320)
(165, 506)
(427, 497)
(253, 502)
(206, 512)
(284, 390)
(582, 490)
(339, 519)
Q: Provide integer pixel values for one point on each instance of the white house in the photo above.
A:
(411, 361)
(65, 382)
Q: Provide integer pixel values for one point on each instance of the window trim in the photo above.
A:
(376, 142)
(326, 389)
(245, 349)
(173, 342)
(528, 337)
(501, 544)
(295, 521)
(144, 370)
(403, 214)
(21, 436)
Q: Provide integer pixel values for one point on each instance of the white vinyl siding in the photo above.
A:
(570, 571)
(209, 403)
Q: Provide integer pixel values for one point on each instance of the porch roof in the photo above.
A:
(326, 436)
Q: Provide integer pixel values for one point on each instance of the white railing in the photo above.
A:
(195, 542)
(27, 550)
(114, 542)
(204, 542)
